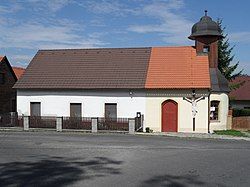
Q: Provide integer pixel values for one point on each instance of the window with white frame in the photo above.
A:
(214, 110)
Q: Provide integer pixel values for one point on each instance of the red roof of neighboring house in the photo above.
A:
(18, 71)
(1, 58)
(177, 67)
(151, 67)
(243, 92)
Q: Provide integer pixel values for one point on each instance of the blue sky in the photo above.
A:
(29, 25)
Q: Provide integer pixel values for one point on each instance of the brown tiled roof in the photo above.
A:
(18, 71)
(164, 67)
(243, 92)
(177, 67)
(87, 68)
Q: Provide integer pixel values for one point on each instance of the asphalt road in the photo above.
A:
(75, 159)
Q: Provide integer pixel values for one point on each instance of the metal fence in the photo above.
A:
(75, 123)
(42, 122)
(82, 123)
(11, 120)
(113, 124)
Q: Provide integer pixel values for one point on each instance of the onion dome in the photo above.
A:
(207, 28)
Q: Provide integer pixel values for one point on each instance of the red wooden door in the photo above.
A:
(169, 116)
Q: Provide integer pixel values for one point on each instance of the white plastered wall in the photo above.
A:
(221, 123)
(57, 103)
(185, 121)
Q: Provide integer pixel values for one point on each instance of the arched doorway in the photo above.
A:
(169, 114)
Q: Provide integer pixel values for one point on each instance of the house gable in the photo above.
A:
(18, 71)
(7, 94)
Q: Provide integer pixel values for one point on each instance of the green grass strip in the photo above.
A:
(231, 133)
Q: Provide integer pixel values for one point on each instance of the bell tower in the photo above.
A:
(206, 34)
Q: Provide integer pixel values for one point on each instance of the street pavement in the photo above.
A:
(81, 159)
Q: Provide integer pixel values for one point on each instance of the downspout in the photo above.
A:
(208, 125)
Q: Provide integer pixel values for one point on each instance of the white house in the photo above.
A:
(176, 89)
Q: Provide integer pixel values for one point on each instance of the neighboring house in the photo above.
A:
(8, 77)
(18, 71)
(158, 82)
(240, 97)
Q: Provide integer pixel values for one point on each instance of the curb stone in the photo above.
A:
(180, 135)
(196, 135)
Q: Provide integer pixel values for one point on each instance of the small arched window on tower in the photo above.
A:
(206, 49)
(214, 110)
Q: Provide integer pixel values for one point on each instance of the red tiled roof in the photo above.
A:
(18, 71)
(1, 58)
(177, 67)
(243, 92)
(157, 67)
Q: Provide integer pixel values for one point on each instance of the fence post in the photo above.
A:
(229, 119)
(59, 124)
(26, 123)
(13, 118)
(94, 125)
(131, 123)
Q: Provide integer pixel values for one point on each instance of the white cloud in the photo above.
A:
(51, 5)
(107, 7)
(56, 5)
(21, 57)
(173, 27)
(42, 30)
(20, 60)
(146, 28)
(4, 9)
(97, 22)
(36, 35)
(240, 37)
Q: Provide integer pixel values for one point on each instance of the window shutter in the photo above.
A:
(75, 110)
(35, 109)
(111, 110)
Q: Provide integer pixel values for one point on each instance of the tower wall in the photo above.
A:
(212, 53)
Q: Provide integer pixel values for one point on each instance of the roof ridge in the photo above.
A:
(118, 48)
(69, 49)
(182, 46)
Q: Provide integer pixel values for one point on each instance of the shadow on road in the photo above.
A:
(173, 180)
(56, 171)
